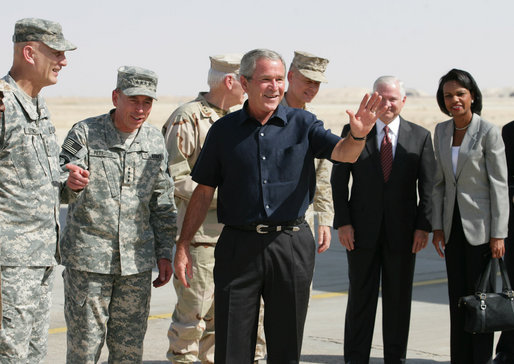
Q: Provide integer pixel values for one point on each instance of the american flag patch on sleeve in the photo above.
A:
(71, 146)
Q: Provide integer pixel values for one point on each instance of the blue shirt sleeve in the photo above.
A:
(322, 141)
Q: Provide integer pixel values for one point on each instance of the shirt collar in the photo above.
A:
(279, 115)
(34, 112)
(394, 126)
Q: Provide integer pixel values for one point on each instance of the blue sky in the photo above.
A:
(416, 40)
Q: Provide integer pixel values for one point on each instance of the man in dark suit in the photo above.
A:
(505, 346)
(383, 225)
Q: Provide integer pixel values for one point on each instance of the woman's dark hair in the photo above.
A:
(467, 81)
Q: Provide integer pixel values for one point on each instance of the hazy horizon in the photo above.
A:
(416, 40)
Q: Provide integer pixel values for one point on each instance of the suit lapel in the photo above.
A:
(468, 143)
(372, 149)
(404, 133)
(445, 147)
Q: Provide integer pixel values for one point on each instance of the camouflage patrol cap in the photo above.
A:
(310, 66)
(4, 86)
(41, 30)
(135, 81)
(226, 63)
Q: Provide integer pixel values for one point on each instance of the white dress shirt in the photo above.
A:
(394, 126)
(455, 159)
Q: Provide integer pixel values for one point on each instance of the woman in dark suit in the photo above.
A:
(470, 202)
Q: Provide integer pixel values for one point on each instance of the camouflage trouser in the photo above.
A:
(191, 332)
(27, 297)
(95, 303)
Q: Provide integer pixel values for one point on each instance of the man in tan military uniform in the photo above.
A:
(305, 75)
(191, 333)
(119, 226)
(30, 185)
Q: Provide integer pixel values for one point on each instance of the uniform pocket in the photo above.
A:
(148, 168)
(52, 151)
(28, 165)
(104, 175)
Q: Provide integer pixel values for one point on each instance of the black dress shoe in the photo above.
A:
(503, 358)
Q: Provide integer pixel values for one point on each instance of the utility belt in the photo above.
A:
(265, 228)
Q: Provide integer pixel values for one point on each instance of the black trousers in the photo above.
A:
(365, 269)
(277, 266)
(464, 265)
(506, 342)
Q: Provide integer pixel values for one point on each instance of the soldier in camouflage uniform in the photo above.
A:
(191, 332)
(305, 75)
(119, 226)
(29, 191)
(3, 88)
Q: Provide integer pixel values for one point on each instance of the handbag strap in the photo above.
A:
(506, 287)
(484, 278)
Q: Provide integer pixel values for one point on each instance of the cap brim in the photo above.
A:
(61, 45)
(139, 91)
(313, 75)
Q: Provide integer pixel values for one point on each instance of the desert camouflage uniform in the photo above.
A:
(185, 133)
(29, 216)
(322, 205)
(115, 230)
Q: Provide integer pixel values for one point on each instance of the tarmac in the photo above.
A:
(429, 338)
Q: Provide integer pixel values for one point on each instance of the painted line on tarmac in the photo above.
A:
(430, 282)
(60, 330)
(328, 295)
(57, 330)
(345, 293)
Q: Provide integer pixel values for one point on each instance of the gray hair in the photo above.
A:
(249, 60)
(389, 81)
(216, 78)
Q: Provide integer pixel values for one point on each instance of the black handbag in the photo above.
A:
(489, 311)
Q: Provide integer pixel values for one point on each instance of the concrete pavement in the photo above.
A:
(323, 337)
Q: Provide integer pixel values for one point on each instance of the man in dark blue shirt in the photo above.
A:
(261, 159)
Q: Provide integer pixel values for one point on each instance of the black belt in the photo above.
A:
(266, 228)
(205, 245)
